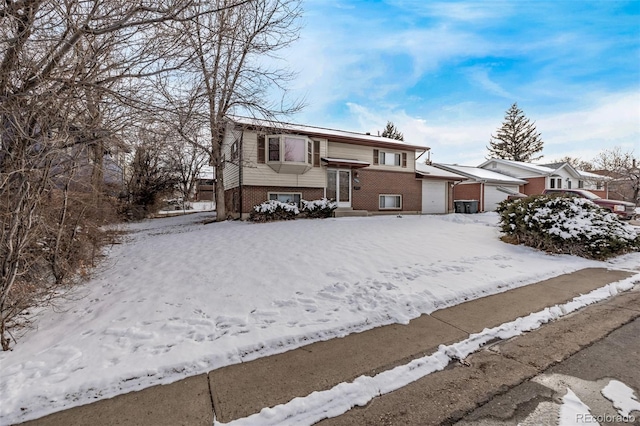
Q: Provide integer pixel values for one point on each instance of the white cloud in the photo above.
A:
(460, 133)
(353, 60)
(611, 117)
(458, 11)
(480, 75)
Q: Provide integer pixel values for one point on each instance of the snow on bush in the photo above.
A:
(273, 210)
(321, 208)
(570, 225)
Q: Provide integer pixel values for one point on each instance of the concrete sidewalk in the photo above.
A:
(243, 389)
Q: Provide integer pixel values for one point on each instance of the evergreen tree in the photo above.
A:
(391, 131)
(517, 139)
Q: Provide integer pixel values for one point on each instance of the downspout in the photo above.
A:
(482, 196)
(452, 204)
(240, 166)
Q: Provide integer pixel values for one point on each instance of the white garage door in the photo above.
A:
(493, 195)
(434, 196)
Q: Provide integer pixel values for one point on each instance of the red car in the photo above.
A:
(623, 209)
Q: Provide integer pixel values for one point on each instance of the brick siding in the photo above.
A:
(469, 191)
(254, 195)
(534, 186)
(372, 183)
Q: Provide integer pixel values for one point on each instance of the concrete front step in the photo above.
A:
(344, 212)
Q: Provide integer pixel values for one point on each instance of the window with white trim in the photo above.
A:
(390, 201)
(289, 198)
(389, 158)
(289, 148)
(555, 183)
(291, 154)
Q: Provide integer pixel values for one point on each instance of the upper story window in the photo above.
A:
(295, 149)
(289, 153)
(389, 158)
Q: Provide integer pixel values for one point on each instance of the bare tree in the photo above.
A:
(68, 76)
(232, 67)
(153, 175)
(188, 162)
(623, 167)
(576, 163)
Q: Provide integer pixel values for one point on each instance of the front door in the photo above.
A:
(339, 186)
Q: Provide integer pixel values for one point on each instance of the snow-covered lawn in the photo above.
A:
(179, 298)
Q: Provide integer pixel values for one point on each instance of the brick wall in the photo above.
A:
(372, 183)
(535, 186)
(254, 195)
(470, 191)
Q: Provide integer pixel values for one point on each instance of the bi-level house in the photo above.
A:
(365, 174)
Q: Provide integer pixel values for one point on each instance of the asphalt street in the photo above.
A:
(538, 401)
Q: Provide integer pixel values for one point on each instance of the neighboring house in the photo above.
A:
(547, 176)
(486, 186)
(204, 190)
(365, 174)
(75, 166)
(437, 188)
(619, 186)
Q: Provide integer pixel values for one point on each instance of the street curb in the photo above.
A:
(445, 397)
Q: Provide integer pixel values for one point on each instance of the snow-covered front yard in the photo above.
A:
(179, 298)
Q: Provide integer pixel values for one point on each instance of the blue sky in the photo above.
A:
(446, 72)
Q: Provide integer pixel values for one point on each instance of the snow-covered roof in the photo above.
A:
(431, 171)
(593, 176)
(527, 166)
(553, 166)
(541, 169)
(480, 174)
(325, 132)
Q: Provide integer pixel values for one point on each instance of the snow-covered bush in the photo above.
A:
(571, 225)
(321, 208)
(273, 210)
